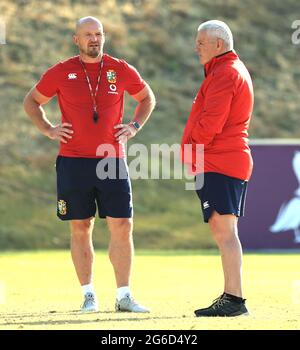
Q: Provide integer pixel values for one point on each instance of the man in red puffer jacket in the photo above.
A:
(219, 120)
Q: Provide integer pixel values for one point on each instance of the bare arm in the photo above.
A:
(146, 103)
(33, 107)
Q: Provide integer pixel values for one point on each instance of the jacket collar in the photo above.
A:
(215, 61)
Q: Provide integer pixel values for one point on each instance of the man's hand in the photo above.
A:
(60, 132)
(126, 132)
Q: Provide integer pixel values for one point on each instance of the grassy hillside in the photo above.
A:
(157, 37)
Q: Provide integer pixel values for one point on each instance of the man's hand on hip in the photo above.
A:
(61, 132)
(126, 132)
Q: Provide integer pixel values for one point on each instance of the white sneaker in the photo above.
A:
(90, 303)
(130, 305)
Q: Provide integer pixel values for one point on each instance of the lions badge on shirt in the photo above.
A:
(111, 76)
(62, 207)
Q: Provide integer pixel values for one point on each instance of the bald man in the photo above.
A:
(91, 167)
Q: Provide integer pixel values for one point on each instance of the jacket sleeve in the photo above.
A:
(216, 108)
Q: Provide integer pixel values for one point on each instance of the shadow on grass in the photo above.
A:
(8, 319)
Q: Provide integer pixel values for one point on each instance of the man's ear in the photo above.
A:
(75, 39)
(220, 44)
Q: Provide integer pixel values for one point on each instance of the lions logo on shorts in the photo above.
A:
(111, 76)
(62, 207)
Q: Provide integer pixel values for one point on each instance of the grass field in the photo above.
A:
(40, 291)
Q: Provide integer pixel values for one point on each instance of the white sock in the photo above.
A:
(122, 291)
(88, 288)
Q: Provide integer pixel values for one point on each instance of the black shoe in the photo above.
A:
(224, 306)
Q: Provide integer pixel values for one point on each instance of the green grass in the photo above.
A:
(42, 291)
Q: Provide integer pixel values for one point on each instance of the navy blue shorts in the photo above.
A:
(82, 186)
(224, 194)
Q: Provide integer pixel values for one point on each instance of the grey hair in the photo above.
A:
(220, 30)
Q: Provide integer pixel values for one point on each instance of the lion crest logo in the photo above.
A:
(111, 76)
(62, 207)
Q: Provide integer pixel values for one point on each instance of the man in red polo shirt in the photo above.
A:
(219, 120)
(90, 90)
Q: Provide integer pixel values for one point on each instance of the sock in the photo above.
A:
(88, 288)
(122, 291)
(234, 298)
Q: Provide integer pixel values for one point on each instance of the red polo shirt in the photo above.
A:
(67, 80)
(220, 118)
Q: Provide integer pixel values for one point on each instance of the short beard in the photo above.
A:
(91, 52)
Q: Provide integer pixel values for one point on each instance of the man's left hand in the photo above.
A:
(126, 132)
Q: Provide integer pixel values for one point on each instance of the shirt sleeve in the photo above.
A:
(134, 83)
(48, 84)
(216, 108)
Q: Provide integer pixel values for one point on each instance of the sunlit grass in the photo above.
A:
(42, 292)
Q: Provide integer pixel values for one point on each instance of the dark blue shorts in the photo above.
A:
(224, 194)
(82, 186)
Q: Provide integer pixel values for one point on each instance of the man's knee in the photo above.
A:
(121, 228)
(125, 226)
(223, 227)
(82, 227)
